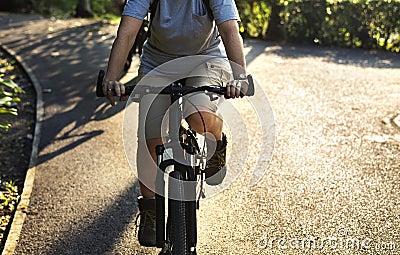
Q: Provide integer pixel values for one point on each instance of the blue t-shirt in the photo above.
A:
(181, 28)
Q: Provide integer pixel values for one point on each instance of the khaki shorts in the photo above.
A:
(153, 108)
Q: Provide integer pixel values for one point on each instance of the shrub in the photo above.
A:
(9, 91)
(254, 17)
(9, 199)
(346, 23)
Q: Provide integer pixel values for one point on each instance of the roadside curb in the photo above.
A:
(20, 213)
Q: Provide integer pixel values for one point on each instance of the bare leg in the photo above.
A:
(147, 170)
(214, 125)
(212, 122)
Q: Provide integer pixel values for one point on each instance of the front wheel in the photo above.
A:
(176, 215)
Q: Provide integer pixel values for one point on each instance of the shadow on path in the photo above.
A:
(100, 235)
(343, 56)
(66, 62)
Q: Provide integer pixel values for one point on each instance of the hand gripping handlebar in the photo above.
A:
(183, 90)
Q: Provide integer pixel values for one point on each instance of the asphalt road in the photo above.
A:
(333, 186)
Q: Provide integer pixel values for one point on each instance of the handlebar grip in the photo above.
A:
(99, 86)
(250, 90)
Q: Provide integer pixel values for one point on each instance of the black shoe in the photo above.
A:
(147, 221)
(215, 168)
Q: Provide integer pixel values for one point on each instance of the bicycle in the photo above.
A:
(176, 228)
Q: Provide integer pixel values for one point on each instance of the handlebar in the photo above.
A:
(173, 88)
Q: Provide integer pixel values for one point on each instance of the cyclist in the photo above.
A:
(179, 28)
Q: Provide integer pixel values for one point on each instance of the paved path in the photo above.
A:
(335, 171)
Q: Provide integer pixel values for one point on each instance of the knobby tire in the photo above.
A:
(177, 233)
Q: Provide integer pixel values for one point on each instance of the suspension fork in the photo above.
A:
(160, 200)
(191, 205)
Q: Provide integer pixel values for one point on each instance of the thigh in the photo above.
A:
(212, 73)
(152, 109)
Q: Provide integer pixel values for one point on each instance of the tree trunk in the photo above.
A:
(84, 10)
(274, 31)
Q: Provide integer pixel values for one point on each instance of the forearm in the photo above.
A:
(126, 35)
(118, 56)
(234, 46)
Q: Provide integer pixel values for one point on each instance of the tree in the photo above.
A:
(84, 9)
(274, 31)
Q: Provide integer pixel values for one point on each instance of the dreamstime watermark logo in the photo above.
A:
(340, 242)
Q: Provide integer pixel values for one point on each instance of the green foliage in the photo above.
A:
(8, 95)
(346, 23)
(105, 7)
(302, 19)
(254, 17)
(66, 8)
(58, 8)
(9, 199)
(61, 8)
(363, 23)
(8, 196)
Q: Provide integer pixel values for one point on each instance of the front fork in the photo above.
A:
(160, 200)
(190, 177)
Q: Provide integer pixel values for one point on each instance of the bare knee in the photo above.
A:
(208, 119)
